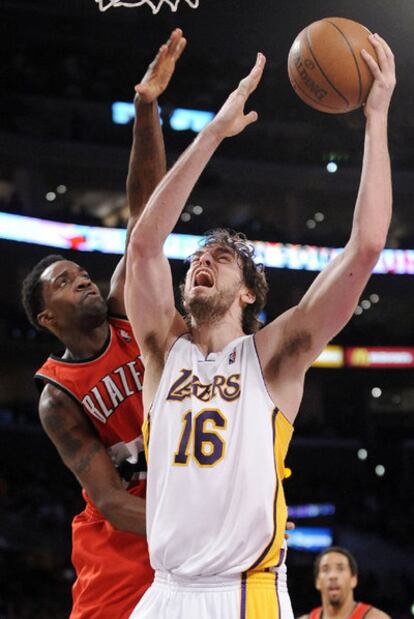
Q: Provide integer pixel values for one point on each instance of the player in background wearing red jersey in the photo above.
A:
(336, 576)
(91, 405)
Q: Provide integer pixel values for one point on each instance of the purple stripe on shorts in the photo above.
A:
(277, 596)
(282, 556)
(243, 596)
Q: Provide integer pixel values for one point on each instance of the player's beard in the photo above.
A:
(93, 315)
(212, 308)
(336, 600)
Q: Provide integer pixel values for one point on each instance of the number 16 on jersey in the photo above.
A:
(199, 439)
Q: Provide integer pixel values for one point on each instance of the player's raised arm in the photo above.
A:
(331, 300)
(147, 162)
(149, 294)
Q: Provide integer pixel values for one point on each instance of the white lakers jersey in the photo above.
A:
(216, 446)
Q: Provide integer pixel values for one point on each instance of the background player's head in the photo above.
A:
(336, 575)
(223, 277)
(59, 296)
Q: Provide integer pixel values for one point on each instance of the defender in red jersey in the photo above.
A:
(336, 576)
(91, 403)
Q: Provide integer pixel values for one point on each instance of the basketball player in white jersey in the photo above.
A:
(220, 396)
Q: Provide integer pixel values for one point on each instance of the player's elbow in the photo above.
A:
(368, 249)
(142, 243)
(139, 241)
(375, 245)
(111, 512)
(105, 507)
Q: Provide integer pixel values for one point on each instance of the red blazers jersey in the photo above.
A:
(108, 388)
(359, 612)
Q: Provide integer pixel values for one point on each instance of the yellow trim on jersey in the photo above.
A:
(259, 596)
(282, 434)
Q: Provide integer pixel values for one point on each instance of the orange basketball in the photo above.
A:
(326, 68)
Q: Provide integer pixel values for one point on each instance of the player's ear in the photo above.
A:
(317, 584)
(45, 318)
(248, 297)
(354, 581)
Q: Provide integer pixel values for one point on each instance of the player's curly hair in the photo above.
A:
(253, 273)
(32, 294)
(353, 565)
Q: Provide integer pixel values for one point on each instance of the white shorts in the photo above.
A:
(259, 595)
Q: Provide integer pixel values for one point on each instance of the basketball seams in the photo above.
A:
(329, 109)
(322, 71)
(353, 56)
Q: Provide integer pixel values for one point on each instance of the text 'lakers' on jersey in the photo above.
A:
(216, 447)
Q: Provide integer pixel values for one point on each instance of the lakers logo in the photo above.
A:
(188, 384)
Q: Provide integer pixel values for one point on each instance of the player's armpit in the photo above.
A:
(83, 453)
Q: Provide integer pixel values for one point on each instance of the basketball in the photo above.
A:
(326, 68)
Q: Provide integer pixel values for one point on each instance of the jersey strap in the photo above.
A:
(360, 611)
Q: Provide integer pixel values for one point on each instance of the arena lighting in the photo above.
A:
(122, 112)
(332, 167)
(362, 454)
(311, 510)
(313, 539)
(181, 119)
(190, 120)
(179, 246)
(379, 357)
(376, 392)
(330, 357)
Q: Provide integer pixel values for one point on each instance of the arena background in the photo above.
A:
(63, 158)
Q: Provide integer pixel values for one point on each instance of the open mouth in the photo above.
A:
(203, 278)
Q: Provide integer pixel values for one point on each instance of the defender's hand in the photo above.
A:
(384, 76)
(231, 119)
(160, 71)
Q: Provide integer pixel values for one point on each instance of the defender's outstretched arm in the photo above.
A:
(147, 162)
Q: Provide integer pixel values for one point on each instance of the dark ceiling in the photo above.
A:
(65, 62)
